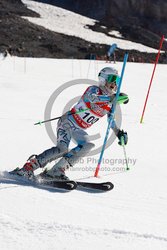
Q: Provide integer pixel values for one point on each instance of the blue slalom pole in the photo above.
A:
(111, 116)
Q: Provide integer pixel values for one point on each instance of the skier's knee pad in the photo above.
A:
(82, 149)
(87, 147)
(78, 152)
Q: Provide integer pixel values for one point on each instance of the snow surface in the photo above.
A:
(69, 23)
(133, 214)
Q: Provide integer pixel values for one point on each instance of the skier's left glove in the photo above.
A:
(123, 137)
(123, 98)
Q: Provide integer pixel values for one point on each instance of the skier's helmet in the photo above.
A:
(108, 75)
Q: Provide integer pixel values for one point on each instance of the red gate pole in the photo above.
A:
(156, 61)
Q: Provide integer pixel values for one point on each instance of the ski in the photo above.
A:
(63, 184)
(68, 185)
(103, 186)
(71, 185)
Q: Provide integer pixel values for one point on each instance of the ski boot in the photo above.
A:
(27, 170)
(57, 172)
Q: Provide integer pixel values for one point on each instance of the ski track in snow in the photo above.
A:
(39, 231)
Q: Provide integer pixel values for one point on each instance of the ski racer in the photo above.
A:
(97, 102)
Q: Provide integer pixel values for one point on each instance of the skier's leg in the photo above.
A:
(83, 148)
(63, 140)
(37, 161)
(73, 156)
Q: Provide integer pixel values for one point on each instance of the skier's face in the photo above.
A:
(111, 83)
(111, 87)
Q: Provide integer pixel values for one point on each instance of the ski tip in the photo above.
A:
(68, 185)
(72, 185)
(108, 185)
(103, 186)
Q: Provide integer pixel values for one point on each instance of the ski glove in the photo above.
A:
(123, 98)
(123, 137)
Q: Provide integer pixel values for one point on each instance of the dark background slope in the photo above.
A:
(138, 20)
(23, 38)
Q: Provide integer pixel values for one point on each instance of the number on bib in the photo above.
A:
(89, 118)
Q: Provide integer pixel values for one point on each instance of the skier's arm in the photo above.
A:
(113, 125)
(93, 95)
(119, 133)
(93, 98)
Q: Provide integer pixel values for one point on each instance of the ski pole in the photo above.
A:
(111, 117)
(121, 100)
(124, 150)
(70, 113)
(49, 120)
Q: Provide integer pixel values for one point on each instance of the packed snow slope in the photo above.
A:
(133, 214)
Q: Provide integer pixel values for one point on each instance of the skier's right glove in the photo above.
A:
(123, 137)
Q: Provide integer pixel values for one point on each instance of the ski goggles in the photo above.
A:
(112, 79)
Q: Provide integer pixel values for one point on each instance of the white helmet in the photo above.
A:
(108, 74)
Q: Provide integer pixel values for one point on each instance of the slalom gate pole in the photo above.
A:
(111, 117)
(155, 64)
